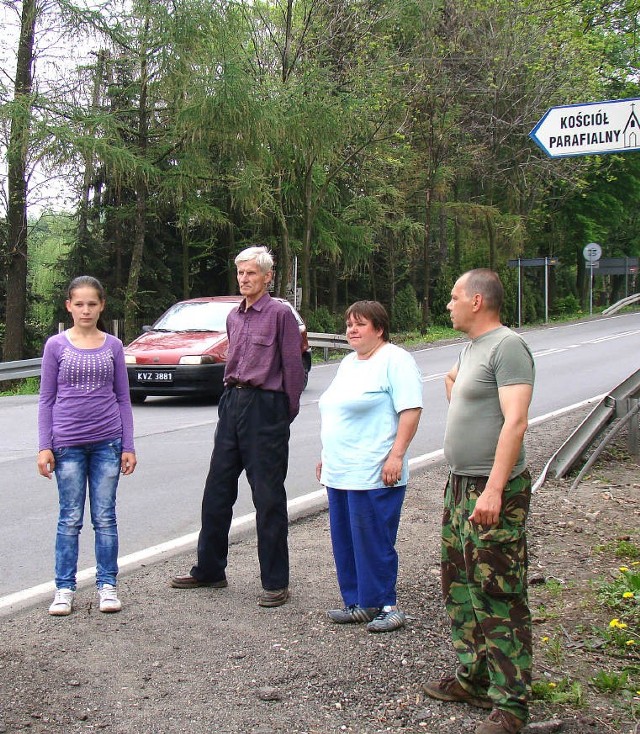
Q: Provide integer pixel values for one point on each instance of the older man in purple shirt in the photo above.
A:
(264, 378)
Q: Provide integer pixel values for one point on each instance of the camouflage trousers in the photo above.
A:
(484, 585)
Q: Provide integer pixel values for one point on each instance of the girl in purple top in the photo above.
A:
(85, 427)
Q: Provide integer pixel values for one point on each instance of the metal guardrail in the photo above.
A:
(616, 405)
(327, 342)
(31, 367)
(621, 304)
(20, 369)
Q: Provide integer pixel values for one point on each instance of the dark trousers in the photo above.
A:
(252, 434)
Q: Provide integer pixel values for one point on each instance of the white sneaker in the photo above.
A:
(62, 604)
(109, 601)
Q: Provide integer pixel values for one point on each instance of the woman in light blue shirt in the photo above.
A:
(370, 414)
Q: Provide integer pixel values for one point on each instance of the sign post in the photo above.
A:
(592, 253)
(533, 262)
(546, 290)
(589, 129)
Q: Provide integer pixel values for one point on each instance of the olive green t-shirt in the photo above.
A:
(474, 421)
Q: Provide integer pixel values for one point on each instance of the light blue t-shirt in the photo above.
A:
(359, 412)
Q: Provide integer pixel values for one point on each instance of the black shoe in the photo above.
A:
(191, 582)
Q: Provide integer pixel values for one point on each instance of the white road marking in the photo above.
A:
(297, 505)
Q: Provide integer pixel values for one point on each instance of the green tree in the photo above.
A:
(17, 162)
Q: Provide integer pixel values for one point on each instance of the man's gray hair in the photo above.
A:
(260, 254)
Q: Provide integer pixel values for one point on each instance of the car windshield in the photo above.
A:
(196, 316)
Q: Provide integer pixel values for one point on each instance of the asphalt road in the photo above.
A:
(161, 501)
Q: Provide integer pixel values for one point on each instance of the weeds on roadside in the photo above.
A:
(621, 548)
(26, 386)
(610, 681)
(553, 650)
(433, 334)
(623, 595)
(561, 692)
(554, 587)
(547, 613)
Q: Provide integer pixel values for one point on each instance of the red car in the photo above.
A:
(185, 351)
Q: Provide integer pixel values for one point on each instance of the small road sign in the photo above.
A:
(592, 252)
(532, 262)
(588, 129)
(617, 266)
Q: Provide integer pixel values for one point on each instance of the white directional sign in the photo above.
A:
(587, 129)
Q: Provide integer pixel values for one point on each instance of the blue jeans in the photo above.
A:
(98, 465)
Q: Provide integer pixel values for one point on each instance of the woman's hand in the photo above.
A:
(128, 462)
(46, 463)
(318, 470)
(407, 426)
(392, 471)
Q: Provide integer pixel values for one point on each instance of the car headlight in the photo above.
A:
(129, 359)
(196, 359)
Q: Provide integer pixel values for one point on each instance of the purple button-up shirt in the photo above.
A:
(265, 349)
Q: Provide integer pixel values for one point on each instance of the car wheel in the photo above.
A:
(306, 365)
(137, 398)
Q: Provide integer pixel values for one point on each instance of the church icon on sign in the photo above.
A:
(631, 130)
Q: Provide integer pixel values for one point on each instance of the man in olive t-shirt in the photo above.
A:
(493, 360)
(484, 553)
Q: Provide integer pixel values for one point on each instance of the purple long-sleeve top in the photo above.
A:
(84, 394)
(265, 349)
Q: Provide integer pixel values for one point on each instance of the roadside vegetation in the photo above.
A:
(379, 151)
(587, 629)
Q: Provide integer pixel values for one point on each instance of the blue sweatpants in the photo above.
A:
(364, 526)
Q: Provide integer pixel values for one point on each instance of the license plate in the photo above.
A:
(155, 376)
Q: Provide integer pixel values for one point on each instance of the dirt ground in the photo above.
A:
(212, 661)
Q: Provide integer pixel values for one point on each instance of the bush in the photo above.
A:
(406, 314)
(322, 321)
(566, 305)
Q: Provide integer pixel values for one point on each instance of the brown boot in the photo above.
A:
(448, 689)
(500, 722)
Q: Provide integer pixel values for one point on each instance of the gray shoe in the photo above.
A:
(387, 621)
(353, 614)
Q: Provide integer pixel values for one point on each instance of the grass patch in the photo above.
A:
(27, 386)
(554, 587)
(622, 594)
(608, 681)
(563, 692)
(622, 548)
(553, 650)
(433, 334)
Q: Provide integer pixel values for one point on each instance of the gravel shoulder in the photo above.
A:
(208, 660)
